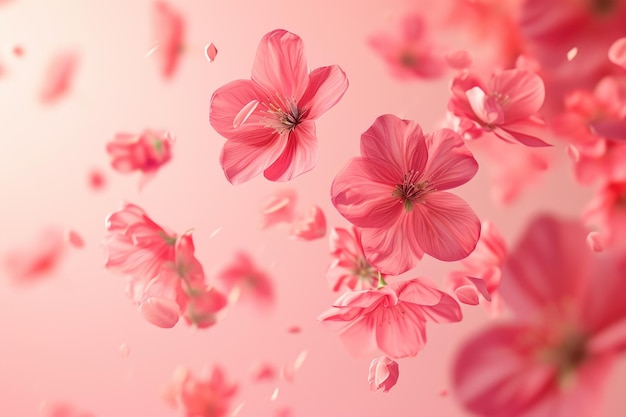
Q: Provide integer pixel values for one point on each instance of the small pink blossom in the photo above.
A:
(481, 271)
(553, 358)
(396, 192)
(279, 208)
(383, 373)
(507, 105)
(169, 29)
(146, 152)
(207, 396)
(59, 76)
(392, 318)
(311, 226)
(411, 53)
(607, 211)
(37, 259)
(269, 121)
(349, 268)
(252, 284)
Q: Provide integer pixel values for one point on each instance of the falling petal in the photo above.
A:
(617, 52)
(152, 51)
(74, 239)
(274, 395)
(297, 364)
(571, 54)
(37, 259)
(18, 51)
(245, 112)
(59, 76)
(237, 409)
(124, 350)
(96, 179)
(294, 329)
(161, 312)
(595, 242)
(263, 372)
(573, 153)
(210, 52)
(215, 232)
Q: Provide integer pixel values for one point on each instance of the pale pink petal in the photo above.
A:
(404, 332)
(445, 226)
(326, 87)
(312, 226)
(162, 312)
(210, 52)
(263, 372)
(383, 373)
(359, 337)
(169, 28)
(280, 65)
(460, 59)
(450, 163)
(447, 310)
(279, 208)
(467, 294)
(617, 52)
(298, 156)
(245, 113)
(59, 76)
(525, 91)
(74, 239)
(595, 242)
(420, 291)
(255, 285)
(230, 101)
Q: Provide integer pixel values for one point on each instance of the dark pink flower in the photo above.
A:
(396, 192)
(507, 106)
(411, 53)
(553, 359)
(383, 373)
(169, 29)
(208, 396)
(59, 76)
(349, 268)
(269, 121)
(392, 318)
(249, 283)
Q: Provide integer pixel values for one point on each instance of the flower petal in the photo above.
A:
(525, 91)
(162, 312)
(299, 155)
(326, 87)
(450, 163)
(403, 333)
(229, 101)
(445, 226)
(280, 65)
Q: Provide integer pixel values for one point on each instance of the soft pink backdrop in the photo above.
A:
(60, 337)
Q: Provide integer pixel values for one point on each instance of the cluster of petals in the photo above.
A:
(169, 30)
(507, 105)
(607, 212)
(482, 269)
(246, 282)
(553, 357)
(392, 318)
(206, 396)
(269, 121)
(594, 125)
(410, 53)
(383, 374)
(146, 152)
(349, 268)
(165, 279)
(396, 192)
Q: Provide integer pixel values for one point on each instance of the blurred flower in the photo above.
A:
(209, 396)
(37, 259)
(169, 29)
(607, 211)
(146, 152)
(507, 105)
(59, 76)
(349, 267)
(62, 410)
(279, 208)
(203, 307)
(392, 318)
(250, 284)
(411, 53)
(311, 226)
(395, 192)
(553, 359)
(617, 52)
(269, 120)
(383, 373)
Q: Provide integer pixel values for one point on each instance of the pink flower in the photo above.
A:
(169, 28)
(349, 268)
(482, 269)
(209, 396)
(554, 358)
(396, 192)
(36, 259)
(279, 208)
(311, 226)
(392, 318)
(507, 105)
(411, 54)
(59, 76)
(607, 211)
(247, 281)
(269, 120)
(146, 152)
(383, 373)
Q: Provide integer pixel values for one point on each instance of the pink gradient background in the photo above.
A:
(60, 337)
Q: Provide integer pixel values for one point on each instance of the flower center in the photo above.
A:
(169, 240)
(408, 60)
(363, 270)
(567, 355)
(283, 115)
(412, 190)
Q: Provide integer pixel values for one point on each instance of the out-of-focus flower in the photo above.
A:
(279, 208)
(247, 281)
(203, 307)
(411, 53)
(617, 52)
(37, 259)
(553, 358)
(396, 192)
(311, 226)
(169, 30)
(383, 373)
(507, 106)
(269, 120)
(392, 318)
(349, 268)
(207, 396)
(61, 409)
(59, 76)
(607, 211)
